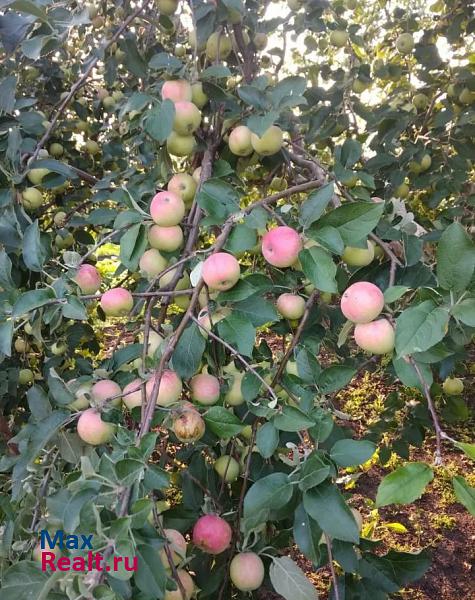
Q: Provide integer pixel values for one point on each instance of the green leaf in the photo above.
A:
(469, 449)
(404, 485)
(335, 378)
(465, 311)
(7, 93)
(58, 390)
(223, 422)
(189, 351)
(72, 509)
(329, 238)
(269, 493)
(420, 327)
(74, 309)
(260, 124)
(314, 471)
(257, 310)
(307, 534)
(354, 220)
(56, 166)
(319, 268)
(32, 300)
(23, 581)
(132, 245)
(218, 199)
(159, 121)
(239, 332)
(292, 419)
(408, 375)
(6, 336)
(290, 581)
(464, 493)
(327, 506)
(6, 280)
(34, 254)
(29, 7)
(129, 470)
(395, 292)
(151, 577)
(314, 207)
(455, 258)
(242, 238)
(349, 453)
(267, 439)
(133, 59)
(156, 478)
(350, 153)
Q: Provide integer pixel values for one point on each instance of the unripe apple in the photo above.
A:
(212, 534)
(82, 395)
(466, 96)
(198, 96)
(180, 145)
(247, 571)
(269, 142)
(167, 7)
(58, 348)
(362, 302)
(155, 340)
(108, 103)
(194, 43)
(188, 586)
(359, 86)
(59, 218)
(218, 45)
(205, 389)
(358, 257)
(177, 90)
(81, 126)
(402, 191)
(169, 390)
(98, 22)
(25, 376)
(426, 162)
(207, 321)
(88, 279)
(221, 271)
(177, 546)
(281, 246)
(291, 306)
(405, 43)
(420, 101)
(187, 118)
(240, 141)
(260, 40)
(295, 5)
(179, 51)
(291, 368)
(31, 198)
(197, 175)
(92, 147)
(189, 426)
(234, 396)
(183, 185)
(36, 175)
(117, 302)
(103, 391)
(453, 386)
(167, 239)
(278, 184)
(339, 38)
(227, 468)
(38, 551)
(117, 95)
(376, 337)
(167, 209)
(64, 242)
(152, 263)
(92, 429)
(21, 346)
(56, 149)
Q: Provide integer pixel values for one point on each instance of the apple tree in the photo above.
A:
(214, 217)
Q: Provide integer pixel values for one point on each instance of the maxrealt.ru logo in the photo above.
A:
(52, 560)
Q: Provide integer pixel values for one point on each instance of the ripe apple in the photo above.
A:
(212, 534)
(92, 429)
(291, 306)
(104, 390)
(453, 386)
(205, 389)
(247, 571)
(152, 263)
(339, 38)
(56, 149)
(167, 209)
(177, 546)
(362, 302)
(376, 337)
(189, 426)
(25, 376)
(167, 239)
(167, 7)
(269, 142)
(180, 145)
(31, 198)
(169, 390)
(198, 96)
(281, 246)
(188, 585)
(227, 468)
(240, 141)
(177, 90)
(88, 279)
(218, 45)
(221, 271)
(117, 302)
(187, 118)
(183, 185)
(405, 43)
(358, 257)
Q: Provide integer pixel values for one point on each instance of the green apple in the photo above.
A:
(453, 386)
(405, 43)
(339, 38)
(31, 198)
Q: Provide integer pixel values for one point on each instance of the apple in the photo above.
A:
(362, 302)
(358, 257)
(205, 389)
(466, 96)
(221, 271)
(179, 51)
(167, 7)
(227, 468)
(376, 337)
(402, 190)
(212, 534)
(359, 86)
(88, 279)
(260, 40)
(295, 5)
(64, 242)
(169, 390)
(189, 426)
(425, 162)
(291, 306)
(152, 263)
(269, 142)
(453, 386)
(38, 551)
(108, 103)
(117, 302)
(219, 45)
(177, 546)
(167, 239)
(405, 43)
(154, 341)
(247, 571)
(197, 175)
(183, 185)
(31, 198)
(278, 184)
(281, 246)
(194, 43)
(207, 321)
(188, 586)
(167, 209)
(234, 396)
(92, 429)
(180, 145)
(339, 38)
(59, 218)
(177, 90)
(82, 396)
(103, 391)
(36, 175)
(56, 149)
(187, 118)
(420, 101)
(198, 97)
(25, 376)
(92, 147)
(240, 141)
(58, 348)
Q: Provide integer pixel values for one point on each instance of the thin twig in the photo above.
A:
(332, 567)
